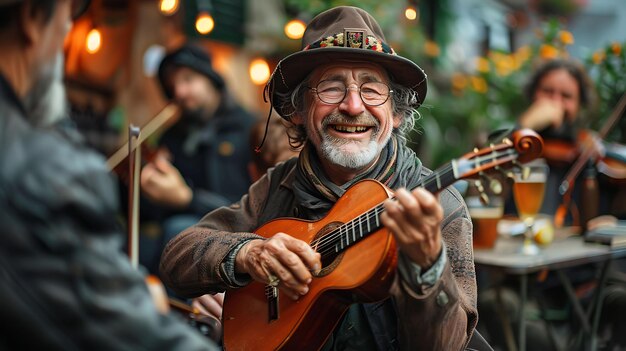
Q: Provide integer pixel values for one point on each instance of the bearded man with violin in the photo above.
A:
(65, 283)
(350, 99)
(560, 92)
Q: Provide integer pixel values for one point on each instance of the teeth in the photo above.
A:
(351, 129)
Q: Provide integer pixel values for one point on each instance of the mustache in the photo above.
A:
(364, 118)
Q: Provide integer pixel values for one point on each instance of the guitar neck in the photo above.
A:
(359, 228)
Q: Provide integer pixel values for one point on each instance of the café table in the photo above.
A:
(566, 251)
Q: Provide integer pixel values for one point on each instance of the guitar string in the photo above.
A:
(328, 242)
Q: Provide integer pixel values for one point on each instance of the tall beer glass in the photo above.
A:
(528, 191)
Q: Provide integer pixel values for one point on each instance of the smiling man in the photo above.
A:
(350, 100)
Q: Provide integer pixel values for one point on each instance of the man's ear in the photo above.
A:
(397, 120)
(31, 19)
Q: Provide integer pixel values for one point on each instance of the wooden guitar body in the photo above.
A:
(363, 273)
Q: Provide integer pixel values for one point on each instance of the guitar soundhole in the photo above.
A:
(329, 261)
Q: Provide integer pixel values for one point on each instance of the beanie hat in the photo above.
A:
(193, 57)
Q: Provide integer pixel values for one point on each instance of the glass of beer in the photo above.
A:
(528, 191)
(485, 218)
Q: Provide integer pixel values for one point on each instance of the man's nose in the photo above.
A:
(352, 104)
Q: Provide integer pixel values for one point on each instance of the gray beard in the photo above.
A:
(46, 103)
(330, 147)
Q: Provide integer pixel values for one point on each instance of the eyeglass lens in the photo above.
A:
(334, 91)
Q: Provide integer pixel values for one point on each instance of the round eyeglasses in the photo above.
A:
(334, 91)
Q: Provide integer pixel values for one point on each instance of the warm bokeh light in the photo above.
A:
(204, 23)
(259, 71)
(410, 13)
(94, 41)
(294, 29)
(168, 7)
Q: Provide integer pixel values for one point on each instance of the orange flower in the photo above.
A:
(479, 84)
(431, 48)
(547, 51)
(482, 65)
(566, 37)
(598, 57)
(459, 81)
(616, 48)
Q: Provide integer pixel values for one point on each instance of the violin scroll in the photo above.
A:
(528, 144)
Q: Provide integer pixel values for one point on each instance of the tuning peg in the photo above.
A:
(484, 199)
(525, 173)
(495, 186)
(479, 186)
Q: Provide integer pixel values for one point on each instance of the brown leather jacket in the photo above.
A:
(442, 317)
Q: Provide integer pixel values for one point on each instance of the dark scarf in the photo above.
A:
(397, 166)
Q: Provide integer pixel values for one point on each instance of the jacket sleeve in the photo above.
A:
(65, 281)
(203, 201)
(443, 316)
(193, 263)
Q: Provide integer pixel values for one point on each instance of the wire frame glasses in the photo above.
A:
(334, 91)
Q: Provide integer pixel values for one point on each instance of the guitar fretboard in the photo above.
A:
(359, 228)
(347, 234)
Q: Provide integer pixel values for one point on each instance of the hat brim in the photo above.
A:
(294, 68)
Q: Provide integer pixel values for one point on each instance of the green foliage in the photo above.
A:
(608, 67)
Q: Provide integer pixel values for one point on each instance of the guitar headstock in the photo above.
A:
(523, 146)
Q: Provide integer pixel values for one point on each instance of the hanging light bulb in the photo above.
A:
(294, 29)
(204, 19)
(204, 23)
(411, 13)
(259, 71)
(93, 41)
(168, 7)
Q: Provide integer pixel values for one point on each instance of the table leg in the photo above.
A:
(506, 322)
(596, 305)
(578, 308)
(522, 312)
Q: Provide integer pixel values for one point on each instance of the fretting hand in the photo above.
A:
(414, 219)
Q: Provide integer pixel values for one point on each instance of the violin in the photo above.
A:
(609, 159)
(613, 164)
(590, 152)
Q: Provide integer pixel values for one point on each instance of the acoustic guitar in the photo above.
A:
(358, 258)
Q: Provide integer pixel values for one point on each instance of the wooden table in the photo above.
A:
(564, 252)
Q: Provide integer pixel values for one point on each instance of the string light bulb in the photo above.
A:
(294, 29)
(168, 7)
(259, 71)
(411, 13)
(204, 23)
(93, 41)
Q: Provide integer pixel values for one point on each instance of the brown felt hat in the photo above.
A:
(339, 34)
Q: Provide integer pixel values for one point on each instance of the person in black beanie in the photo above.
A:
(203, 163)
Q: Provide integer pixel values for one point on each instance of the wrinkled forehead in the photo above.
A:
(350, 71)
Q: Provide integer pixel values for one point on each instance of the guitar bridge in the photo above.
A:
(271, 293)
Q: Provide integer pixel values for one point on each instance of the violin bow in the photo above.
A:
(156, 123)
(134, 160)
(565, 188)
